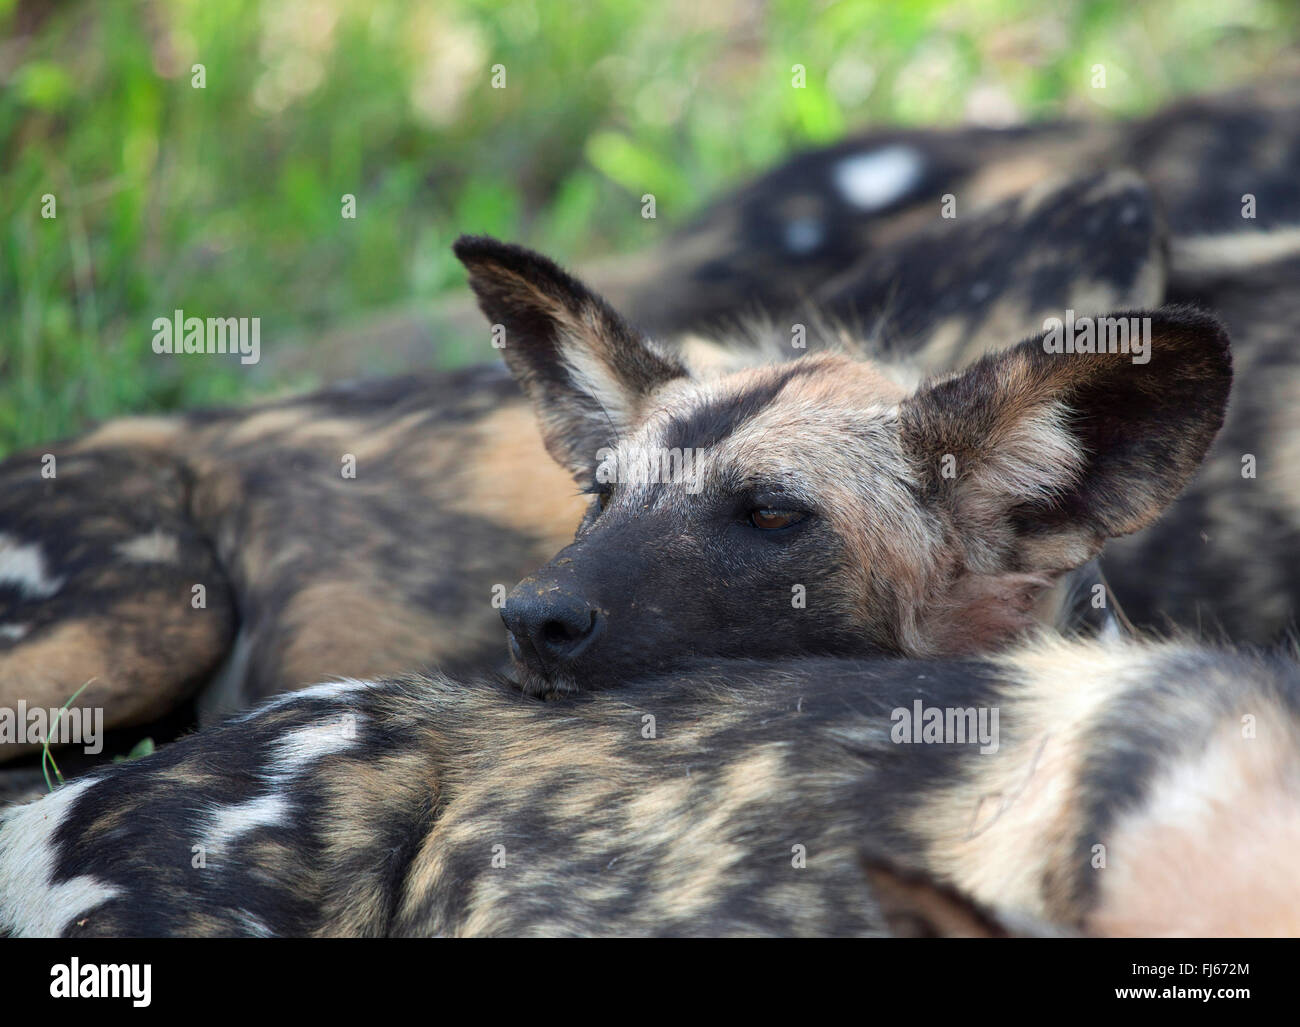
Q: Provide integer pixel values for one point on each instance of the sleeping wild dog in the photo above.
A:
(819, 505)
(1102, 787)
(307, 572)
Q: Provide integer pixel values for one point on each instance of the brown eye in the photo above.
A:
(768, 519)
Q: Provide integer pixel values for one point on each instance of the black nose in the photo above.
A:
(551, 627)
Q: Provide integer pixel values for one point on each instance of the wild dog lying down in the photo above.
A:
(816, 506)
(819, 233)
(306, 572)
(359, 530)
(1110, 788)
(776, 241)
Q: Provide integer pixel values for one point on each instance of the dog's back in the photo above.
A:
(1111, 788)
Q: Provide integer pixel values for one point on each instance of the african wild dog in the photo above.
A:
(773, 244)
(1103, 787)
(233, 544)
(824, 232)
(306, 573)
(828, 508)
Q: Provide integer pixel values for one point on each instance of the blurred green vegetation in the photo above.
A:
(226, 200)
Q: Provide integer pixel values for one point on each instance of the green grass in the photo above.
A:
(226, 200)
(47, 757)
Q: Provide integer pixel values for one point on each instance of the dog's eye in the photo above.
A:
(768, 519)
(602, 500)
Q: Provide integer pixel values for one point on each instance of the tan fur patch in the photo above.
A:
(1211, 852)
(1030, 175)
(267, 423)
(511, 480)
(133, 681)
(1000, 832)
(336, 630)
(830, 436)
(153, 434)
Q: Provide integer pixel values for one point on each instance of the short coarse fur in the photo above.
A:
(927, 521)
(1121, 790)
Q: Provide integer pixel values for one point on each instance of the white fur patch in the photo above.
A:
(591, 375)
(230, 823)
(1036, 458)
(292, 754)
(31, 905)
(24, 565)
(298, 749)
(877, 179)
(13, 632)
(324, 690)
(1210, 851)
(253, 927)
(155, 547)
(1234, 251)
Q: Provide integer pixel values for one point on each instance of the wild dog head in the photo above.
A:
(817, 505)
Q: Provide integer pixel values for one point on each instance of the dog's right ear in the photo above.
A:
(914, 905)
(1043, 455)
(586, 371)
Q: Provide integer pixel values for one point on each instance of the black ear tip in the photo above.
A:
(470, 249)
(1197, 336)
(1193, 320)
(1202, 329)
(485, 257)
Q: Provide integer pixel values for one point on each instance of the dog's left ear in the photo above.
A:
(587, 372)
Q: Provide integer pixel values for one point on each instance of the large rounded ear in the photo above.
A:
(586, 371)
(1042, 452)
